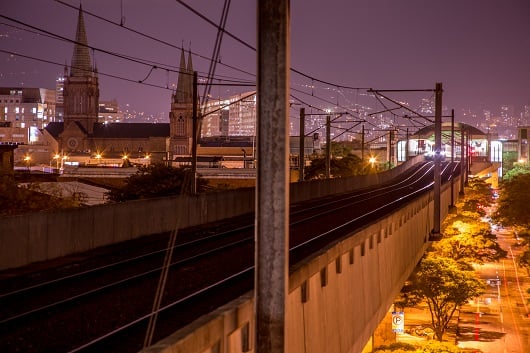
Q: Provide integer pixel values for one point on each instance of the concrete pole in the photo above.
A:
(301, 155)
(462, 160)
(272, 184)
(362, 146)
(328, 147)
(468, 155)
(437, 161)
(407, 146)
(195, 138)
(452, 205)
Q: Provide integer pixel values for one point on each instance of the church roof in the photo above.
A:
(130, 130)
(118, 130)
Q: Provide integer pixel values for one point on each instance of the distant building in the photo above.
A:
(235, 116)
(59, 98)
(27, 107)
(109, 112)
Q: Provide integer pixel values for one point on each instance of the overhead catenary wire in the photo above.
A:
(169, 68)
(151, 37)
(149, 63)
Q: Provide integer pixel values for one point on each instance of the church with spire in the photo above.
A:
(81, 134)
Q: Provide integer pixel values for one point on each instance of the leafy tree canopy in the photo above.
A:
(155, 180)
(428, 347)
(466, 247)
(517, 169)
(18, 200)
(478, 194)
(445, 287)
(349, 165)
(512, 207)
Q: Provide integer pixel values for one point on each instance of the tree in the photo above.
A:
(513, 202)
(155, 180)
(469, 248)
(478, 195)
(445, 287)
(349, 165)
(467, 240)
(18, 200)
(524, 261)
(429, 347)
(517, 169)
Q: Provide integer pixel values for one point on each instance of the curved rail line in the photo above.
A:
(197, 252)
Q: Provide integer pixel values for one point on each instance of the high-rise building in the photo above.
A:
(59, 98)
(27, 107)
(235, 116)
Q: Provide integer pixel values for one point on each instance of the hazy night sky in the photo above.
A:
(478, 49)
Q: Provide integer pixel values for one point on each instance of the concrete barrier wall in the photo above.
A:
(43, 236)
(336, 299)
(47, 235)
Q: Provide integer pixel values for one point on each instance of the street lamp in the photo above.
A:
(57, 157)
(27, 159)
(372, 161)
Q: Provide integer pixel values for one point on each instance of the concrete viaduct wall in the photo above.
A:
(43, 236)
(336, 299)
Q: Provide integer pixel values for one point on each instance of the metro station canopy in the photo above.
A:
(422, 141)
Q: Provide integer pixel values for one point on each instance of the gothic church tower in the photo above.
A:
(81, 95)
(180, 116)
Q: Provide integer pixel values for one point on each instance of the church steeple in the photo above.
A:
(180, 116)
(81, 57)
(81, 94)
(184, 85)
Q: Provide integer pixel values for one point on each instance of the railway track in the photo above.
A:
(102, 303)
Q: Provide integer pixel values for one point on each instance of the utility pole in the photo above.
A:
(301, 155)
(435, 235)
(195, 138)
(407, 146)
(462, 160)
(328, 146)
(468, 155)
(452, 205)
(362, 145)
(272, 183)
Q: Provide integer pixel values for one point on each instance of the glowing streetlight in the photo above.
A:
(372, 161)
(27, 159)
(57, 157)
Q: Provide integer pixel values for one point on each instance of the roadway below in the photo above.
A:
(499, 320)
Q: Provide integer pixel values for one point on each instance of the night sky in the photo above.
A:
(478, 49)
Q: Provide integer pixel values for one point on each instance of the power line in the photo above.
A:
(151, 37)
(236, 38)
(121, 56)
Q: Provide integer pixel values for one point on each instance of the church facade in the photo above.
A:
(81, 133)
